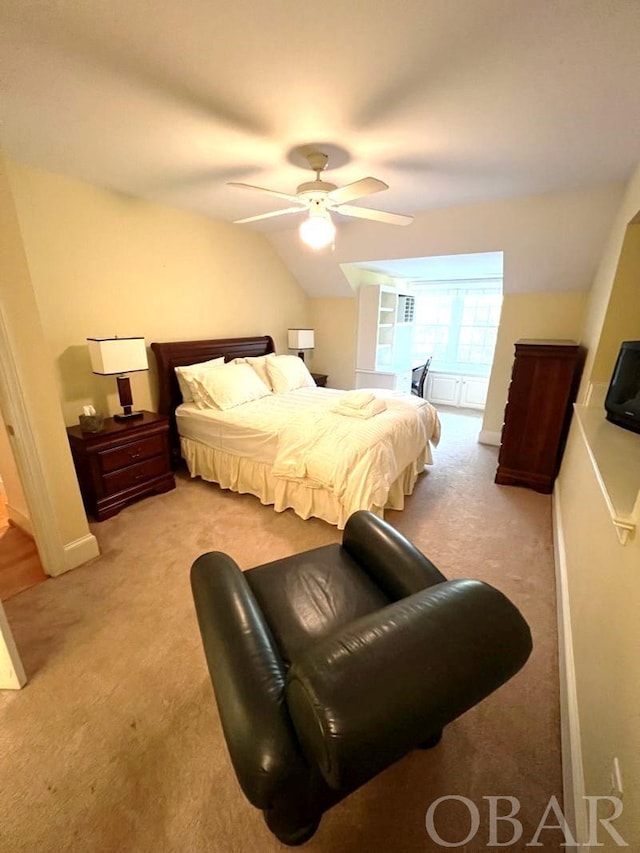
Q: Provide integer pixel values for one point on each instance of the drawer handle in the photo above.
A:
(139, 476)
(134, 455)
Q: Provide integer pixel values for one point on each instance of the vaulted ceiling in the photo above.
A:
(447, 101)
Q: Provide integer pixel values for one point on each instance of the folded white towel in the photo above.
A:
(357, 399)
(367, 411)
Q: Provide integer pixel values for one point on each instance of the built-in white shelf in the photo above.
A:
(615, 455)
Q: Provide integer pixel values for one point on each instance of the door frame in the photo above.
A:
(15, 414)
(12, 674)
(27, 456)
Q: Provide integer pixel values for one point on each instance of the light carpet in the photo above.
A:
(115, 743)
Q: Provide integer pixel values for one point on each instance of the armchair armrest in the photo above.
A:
(398, 567)
(248, 678)
(363, 697)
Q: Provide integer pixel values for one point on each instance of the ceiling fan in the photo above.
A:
(320, 197)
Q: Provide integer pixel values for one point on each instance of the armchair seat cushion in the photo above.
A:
(307, 598)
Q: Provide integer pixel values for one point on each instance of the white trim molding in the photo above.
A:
(80, 551)
(572, 766)
(12, 675)
(488, 436)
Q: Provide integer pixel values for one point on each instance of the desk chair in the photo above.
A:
(419, 377)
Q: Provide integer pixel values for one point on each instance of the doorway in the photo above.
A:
(20, 566)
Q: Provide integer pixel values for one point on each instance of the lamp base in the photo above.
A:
(127, 416)
(126, 400)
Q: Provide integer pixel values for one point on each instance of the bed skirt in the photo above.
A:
(247, 476)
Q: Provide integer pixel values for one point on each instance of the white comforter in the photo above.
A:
(290, 451)
(356, 459)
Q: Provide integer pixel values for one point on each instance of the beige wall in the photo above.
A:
(552, 245)
(23, 326)
(524, 315)
(80, 261)
(601, 290)
(603, 576)
(551, 242)
(528, 315)
(104, 264)
(604, 593)
(334, 321)
(622, 318)
(337, 320)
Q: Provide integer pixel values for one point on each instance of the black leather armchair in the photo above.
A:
(329, 665)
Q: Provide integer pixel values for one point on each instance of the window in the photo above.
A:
(457, 324)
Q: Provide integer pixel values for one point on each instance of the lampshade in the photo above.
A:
(301, 339)
(318, 230)
(117, 355)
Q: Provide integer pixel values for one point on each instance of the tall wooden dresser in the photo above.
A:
(544, 384)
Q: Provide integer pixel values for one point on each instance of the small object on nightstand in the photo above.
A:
(91, 423)
(320, 379)
(90, 420)
(125, 461)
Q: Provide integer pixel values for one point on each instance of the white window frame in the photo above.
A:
(460, 288)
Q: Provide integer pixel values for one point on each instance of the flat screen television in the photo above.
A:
(622, 403)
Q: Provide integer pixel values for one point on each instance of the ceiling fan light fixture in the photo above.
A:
(319, 197)
(318, 231)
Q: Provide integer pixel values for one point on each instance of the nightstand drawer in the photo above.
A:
(135, 475)
(128, 454)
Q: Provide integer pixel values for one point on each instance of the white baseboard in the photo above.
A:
(74, 553)
(488, 436)
(20, 520)
(572, 767)
(80, 551)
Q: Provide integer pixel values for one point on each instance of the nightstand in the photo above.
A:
(125, 461)
(320, 379)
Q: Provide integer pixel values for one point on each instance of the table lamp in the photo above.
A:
(115, 357)
(301, 339)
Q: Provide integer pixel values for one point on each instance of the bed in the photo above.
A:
(294, 450)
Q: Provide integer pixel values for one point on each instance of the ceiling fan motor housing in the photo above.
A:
(314, 191)
(320, 197)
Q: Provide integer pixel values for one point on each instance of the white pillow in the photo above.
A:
(259, 364)
(225, 389)
(288, 372)
(186, 373)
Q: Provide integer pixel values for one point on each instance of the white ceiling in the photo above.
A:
(447, 101)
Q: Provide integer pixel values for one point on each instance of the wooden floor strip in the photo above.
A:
(20, 566)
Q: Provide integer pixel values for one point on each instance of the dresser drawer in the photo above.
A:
(135, 475)
(128, 454)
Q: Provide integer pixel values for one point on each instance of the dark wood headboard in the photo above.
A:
(179, 353)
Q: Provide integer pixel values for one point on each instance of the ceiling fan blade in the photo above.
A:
(358, 189)
(263, 190)
(376, 215)
(269, 215)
